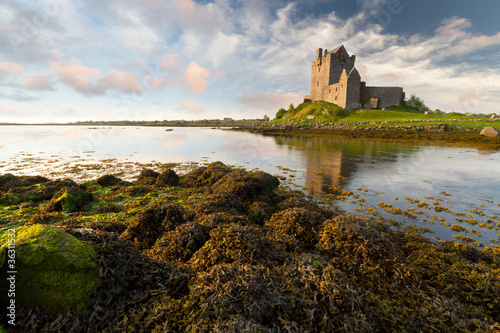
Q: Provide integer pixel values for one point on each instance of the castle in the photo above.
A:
(335, 79)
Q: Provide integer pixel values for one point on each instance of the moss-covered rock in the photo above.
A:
(55, 271)
(69, 199)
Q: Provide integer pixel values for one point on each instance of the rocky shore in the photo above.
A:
(436, 132)
(222, 249)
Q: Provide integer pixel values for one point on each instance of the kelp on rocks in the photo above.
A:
(227, 250)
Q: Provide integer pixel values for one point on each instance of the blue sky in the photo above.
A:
(64, 60)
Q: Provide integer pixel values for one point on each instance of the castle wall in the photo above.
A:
(338, 63)
(320, 70)
(387, 96)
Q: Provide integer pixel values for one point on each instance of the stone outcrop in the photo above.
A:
(55, 271)
(490, 131)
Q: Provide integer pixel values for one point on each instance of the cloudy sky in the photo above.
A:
(64, 60)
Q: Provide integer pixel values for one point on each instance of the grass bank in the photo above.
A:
(224, 249)
(325, 112)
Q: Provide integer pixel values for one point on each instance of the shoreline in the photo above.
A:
(432, 137)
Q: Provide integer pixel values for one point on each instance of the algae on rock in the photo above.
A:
(55, 271)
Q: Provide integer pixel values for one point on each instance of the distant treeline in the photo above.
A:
(203, 122)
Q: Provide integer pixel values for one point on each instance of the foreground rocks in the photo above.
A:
(227, 250)
(55, 271)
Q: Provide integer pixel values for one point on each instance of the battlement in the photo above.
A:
(335, 79)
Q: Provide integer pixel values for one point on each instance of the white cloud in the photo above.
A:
(193, 108)
(159, 83)
(195, 78)
(90, 82)
(170, 62)
(222, 47)
(11, 68)
(135, 33)
(38, 81)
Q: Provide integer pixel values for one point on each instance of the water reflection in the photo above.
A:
(416, 179)
(334, 162)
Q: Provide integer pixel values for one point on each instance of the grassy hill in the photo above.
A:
(329, 112)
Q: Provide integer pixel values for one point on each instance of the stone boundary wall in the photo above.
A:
(352, 125)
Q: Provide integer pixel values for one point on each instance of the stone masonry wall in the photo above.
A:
(387, 96)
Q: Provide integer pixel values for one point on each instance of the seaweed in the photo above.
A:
(228, 250)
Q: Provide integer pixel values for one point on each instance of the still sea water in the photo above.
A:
(463, 183)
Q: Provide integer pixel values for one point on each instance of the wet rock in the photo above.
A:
(490, 132)
(181, 243)
(69, 199)
(147, 177)
(55, 271)
(108, 180)
(152, 222)
(167, 178)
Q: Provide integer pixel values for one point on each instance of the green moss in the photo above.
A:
(55, 271)
(70, 199)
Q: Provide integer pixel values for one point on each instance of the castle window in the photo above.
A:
(319, 69)
(335, 97)
(330, 91)
(317, 84)
(336, 89)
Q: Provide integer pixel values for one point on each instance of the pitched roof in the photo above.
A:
(338, 48)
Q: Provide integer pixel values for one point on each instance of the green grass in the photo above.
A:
(329, 112)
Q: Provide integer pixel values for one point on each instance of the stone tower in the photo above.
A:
(335, 79)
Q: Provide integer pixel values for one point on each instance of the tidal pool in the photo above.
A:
(452, 191)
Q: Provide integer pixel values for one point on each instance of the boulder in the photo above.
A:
(167, 178)
(55, 271)
(310, 117)
(490, 131)
(69, 199)
(147, 177)
(108, 180)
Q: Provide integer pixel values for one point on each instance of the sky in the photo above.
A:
(63, 61)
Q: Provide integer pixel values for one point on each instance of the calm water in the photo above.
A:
(464, 180)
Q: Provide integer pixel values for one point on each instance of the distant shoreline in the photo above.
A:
(132, 125)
